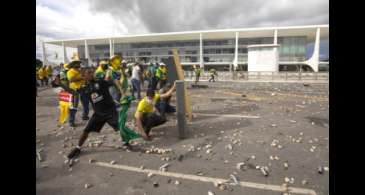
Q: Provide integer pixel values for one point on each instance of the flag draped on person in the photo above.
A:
(126, 133)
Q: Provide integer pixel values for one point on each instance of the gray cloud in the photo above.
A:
(182, 15)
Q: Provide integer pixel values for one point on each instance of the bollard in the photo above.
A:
(180, 109)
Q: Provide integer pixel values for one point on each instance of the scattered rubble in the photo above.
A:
(320, 169)
(241, 166)
(149, 175)
(155, 184)
(235, 180)
(210, 193)
(177, 182)
(304, 182)
(39, 157)
(112, 162)
(286, 165)
(229, 147)
(87, 186)
(163, 168)
(264, 171)
(154, 150)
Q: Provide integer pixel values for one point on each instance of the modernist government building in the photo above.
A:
(246, 49)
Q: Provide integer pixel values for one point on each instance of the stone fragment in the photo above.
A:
(112, 162)
(210, 193)
(87, 186)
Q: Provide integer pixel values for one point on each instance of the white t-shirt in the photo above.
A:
(135, 72)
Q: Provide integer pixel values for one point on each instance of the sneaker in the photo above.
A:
(85, 118)
(72, 125)
(74, 153)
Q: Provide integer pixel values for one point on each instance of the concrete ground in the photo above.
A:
(294, 115)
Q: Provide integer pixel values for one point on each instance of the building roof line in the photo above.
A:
(195, 32)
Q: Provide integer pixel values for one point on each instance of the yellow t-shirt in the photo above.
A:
(145, 107)
(42, 73)
(73, 73)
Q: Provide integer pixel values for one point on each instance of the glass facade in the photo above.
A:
(215, 51)
(292, 48)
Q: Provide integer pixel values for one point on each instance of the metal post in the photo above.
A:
(181, 120)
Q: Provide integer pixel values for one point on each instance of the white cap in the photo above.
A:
(162, 64)
(123, 61)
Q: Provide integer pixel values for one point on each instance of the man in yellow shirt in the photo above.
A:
(42, 73)
(146, 115)
(75, 80)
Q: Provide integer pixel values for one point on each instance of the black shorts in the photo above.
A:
(150, 120)
(97, 121)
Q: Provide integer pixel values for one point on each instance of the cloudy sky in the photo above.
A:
(67, 19)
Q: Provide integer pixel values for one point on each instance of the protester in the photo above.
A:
(161, 74)
(123, 77)
(135, 80)
(104, 110)
(146, 116)
(101, 70)
(65, 103)
(154, 77)
(84, 96)
(49, 71)
(63, 78)
(42, 73)
(114, 73)
(198, 72)
(163, 104)
(212, 73)
(75, 80)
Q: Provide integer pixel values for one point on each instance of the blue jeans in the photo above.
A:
(85, 99)
(136, 86)
(73, 109)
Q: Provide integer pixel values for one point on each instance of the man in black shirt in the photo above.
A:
(104, 109)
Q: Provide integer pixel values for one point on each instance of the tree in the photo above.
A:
(39, 63)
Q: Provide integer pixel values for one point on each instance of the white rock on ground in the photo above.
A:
(210, 193)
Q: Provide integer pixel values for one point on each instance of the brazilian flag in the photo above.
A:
(126, 133)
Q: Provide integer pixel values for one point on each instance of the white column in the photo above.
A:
(276, 49)
(275, 36)
(235, 60)
(44, 54)
(201, 50)
(87, 55)
(314, 60)
(64, 53)
(111, 47)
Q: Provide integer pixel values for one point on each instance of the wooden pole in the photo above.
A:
(180, 76)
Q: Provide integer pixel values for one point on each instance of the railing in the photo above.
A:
(263, 76)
